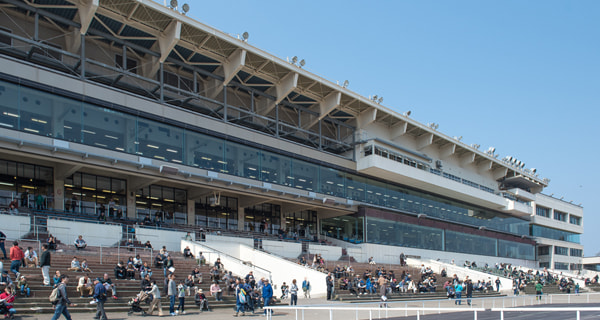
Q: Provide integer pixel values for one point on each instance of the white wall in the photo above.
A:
(95, 234)
(329, 253)
(159, 238)
(280, 269)
(282, 248)
(15, 227)
(213, 238)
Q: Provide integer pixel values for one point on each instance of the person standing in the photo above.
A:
(458, 289)
(63, 300)
(100, 296)
(172, 293)
(2, 239)
(16, 256)
(294, 293)
(498, 282)
(538, 290)
(469, 291)
(267, 294)
(45, 264)
(329, 283)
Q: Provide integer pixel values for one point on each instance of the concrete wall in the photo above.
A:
(15, 227)
(328, 253)
(95, 234)
(214, 238)
(159, 238)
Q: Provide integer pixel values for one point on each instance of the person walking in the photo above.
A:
(293, 293)
(267, 294)
(63, 300)
(45, 264)
(155, 304)
(458, 289)
(16, 256)
(306, 288)
(100, 296)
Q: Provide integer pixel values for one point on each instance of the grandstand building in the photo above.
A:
(134, 106)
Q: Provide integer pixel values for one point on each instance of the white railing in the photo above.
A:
(576, 310)
(407, 308)
(359, 312)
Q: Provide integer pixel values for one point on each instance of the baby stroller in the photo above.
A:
(4, 309)
(135, 303)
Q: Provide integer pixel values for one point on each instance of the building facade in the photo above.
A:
(134, 108)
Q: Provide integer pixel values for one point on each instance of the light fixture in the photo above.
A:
(295, 59)
(173, 4)
(185, 8)
(346, 83)
(380, 100)
(302, 63)
(407, 113)
(245, 36)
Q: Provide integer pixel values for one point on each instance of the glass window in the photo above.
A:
(160, 141)
(543, 251)
(576, 252)
(561, 251)
(275, 168)
(304, 175)
(470, 243)
(332, 182)
(575, 220)
(542, 211)
(561, 266)
(36, 111)
(545, 232)
(205, 152)
(375, 193)
(242, 161)
(559, 215)
(516, 250)
(9, 103)
(347, 228)
(355, 187)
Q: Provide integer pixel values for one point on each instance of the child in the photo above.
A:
(284, 291)
(24, 286)
(181, 296)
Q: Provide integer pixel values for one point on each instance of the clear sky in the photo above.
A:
(522, 76)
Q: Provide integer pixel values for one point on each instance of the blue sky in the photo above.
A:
(522, 76)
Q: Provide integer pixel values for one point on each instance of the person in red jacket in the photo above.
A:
(8, 298)
(16, 256)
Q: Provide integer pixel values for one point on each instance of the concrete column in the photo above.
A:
(130, 203)
(241, 219)
(191, 212)
(59, 194)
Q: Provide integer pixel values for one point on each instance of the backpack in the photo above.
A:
(54, 295)
(242, 296)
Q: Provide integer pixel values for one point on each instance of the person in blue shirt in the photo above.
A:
(458, 289)
(239, 303)
(100, 297)
(267, 294)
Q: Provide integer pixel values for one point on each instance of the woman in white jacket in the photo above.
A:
(155, 292)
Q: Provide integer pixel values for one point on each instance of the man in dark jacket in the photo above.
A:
(100, 296)
(63, 300)
(45, 264)
(2, 239)
(329, 283)
(469, 291)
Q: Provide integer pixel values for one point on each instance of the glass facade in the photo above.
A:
(303, 222)
(264, 217)
(217, 212)
(163, 204)
(47, 114)
(86, 194)
(398, 233)
(24, 181)
(545, 232)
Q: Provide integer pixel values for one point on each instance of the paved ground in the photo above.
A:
(378, 313)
